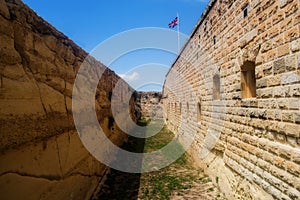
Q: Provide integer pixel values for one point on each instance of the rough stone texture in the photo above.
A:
(41, 154)
(150, 104)
(256, 155)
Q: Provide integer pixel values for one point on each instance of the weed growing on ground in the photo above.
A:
(173, 178)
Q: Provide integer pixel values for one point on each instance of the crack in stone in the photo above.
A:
(48, 177)
(25, 64)
(57, 149)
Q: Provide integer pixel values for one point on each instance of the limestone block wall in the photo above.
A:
(41, 155)
(150, 104)
(237, 82)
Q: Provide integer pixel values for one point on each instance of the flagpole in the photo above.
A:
(178, 35)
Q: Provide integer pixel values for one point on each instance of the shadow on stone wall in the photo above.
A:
(123, 185)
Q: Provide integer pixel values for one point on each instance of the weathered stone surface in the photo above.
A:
(290, 78)
(42, 156)
(295, 45)
(260, 139)
(150, 104)
(8, 53)
(4, 10)
(279, 66)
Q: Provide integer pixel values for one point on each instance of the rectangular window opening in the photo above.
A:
(248, 80)
(199, 114)
(187, 109)
(245, 11)
(216, 87)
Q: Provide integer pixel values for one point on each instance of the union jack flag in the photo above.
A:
(173, 23)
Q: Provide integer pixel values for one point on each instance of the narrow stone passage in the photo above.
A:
(180, 180)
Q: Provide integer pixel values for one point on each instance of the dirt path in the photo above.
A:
(178, 181)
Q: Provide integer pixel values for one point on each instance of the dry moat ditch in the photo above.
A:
(180, 180)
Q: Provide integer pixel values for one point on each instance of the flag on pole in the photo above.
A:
(173, 23)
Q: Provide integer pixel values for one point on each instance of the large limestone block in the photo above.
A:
(5, 27)
(75, 187)
(53, 158)
(67, 72)
(8, 53)
(20, 107)
(15, 72)
(16, 186)
(55, 83)
(4, 10)
(19, 97)
(41, 48)
(37, 160)
(24, 39)
(40, 66)
(51, 42)
(71, 151)
(52, 99)
(92, 167)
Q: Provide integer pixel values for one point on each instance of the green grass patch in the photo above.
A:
(158, 141)
(143, 122)
(175, 178)
(160, 184)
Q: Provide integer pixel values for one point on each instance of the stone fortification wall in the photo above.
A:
(42, 156)
(237, 82)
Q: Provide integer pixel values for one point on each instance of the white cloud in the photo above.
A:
(130, 77)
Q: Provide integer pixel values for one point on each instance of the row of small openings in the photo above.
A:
(170, 105)
(199, 113)
(248, 82)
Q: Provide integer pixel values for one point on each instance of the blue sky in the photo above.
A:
(89, 23)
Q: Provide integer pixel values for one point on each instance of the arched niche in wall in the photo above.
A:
(180, 105)
(199, 111)
(248, 81)
(216, 87)
(187, 109)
